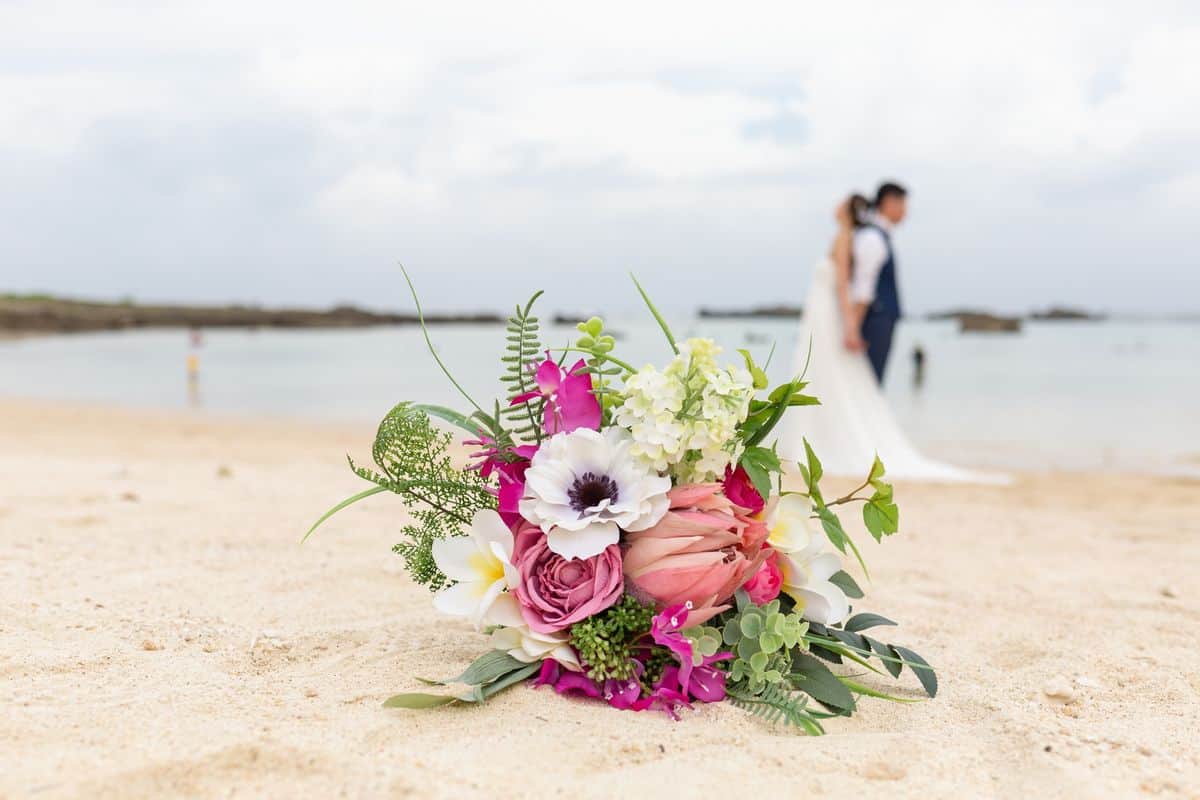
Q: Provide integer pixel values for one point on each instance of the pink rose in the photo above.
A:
(764, 585)
(557, 592)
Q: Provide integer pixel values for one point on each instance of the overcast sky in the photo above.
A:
(260, 152)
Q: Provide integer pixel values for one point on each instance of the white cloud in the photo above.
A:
(536, 139)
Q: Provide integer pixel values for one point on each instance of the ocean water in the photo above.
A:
(1108, 395)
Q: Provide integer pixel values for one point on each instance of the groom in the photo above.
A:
(873, 292)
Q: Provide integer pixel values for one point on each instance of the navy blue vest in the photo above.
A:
(887, 295)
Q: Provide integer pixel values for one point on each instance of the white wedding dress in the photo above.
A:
(853, 422)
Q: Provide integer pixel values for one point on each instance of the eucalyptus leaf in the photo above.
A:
(487, 668)
(419, 700)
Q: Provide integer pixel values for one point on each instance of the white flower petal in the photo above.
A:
(487, 528)
(454, 557)
(460, 600)
(505, 611)
(825, 603)
(583, 543)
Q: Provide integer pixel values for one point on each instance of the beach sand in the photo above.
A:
(164, 633)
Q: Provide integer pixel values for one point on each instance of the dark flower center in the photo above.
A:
(589, 489)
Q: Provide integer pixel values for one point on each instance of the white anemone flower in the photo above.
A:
(805, 563)
(480, 562)
(514, 636)
(583, 487)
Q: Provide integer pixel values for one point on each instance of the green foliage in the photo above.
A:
(810, 676)
(847, 584)
(412, 461)
(764, 415)
(760, 638)
(606, 642)
(662, 323)
(760, 464)
(833, 644)
(757, 374)
(600, 363)
(880, 513)
(777, 703)
(523, 352)
(491, 673)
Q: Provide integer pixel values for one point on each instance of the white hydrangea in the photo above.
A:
(685, 418)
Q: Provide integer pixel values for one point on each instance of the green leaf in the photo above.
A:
(861, 622)
(803, 400)
(859, 688)
(449, 415)
(756, 372)
(759, 463)
(833, 528)
(847, 584)
(662, 323)
(419, 700)
(920, 666)
(487, 668)
(814, 464)
(886, 655)
(881, 518)
(347, 502)
(811, 676)
(512, 678)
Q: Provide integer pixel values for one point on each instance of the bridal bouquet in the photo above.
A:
(627, 535)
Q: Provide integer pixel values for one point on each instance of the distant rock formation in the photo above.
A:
(976, 321)
(43, 314)
(767, 312)
(1060, 313)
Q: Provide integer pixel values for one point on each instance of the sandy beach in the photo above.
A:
(164, 633)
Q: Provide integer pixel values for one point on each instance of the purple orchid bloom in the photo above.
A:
(565, 681)
(509, 466)
(666, 628)
(570, 403)
(702, 681)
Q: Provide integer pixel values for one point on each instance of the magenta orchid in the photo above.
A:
(570, 403)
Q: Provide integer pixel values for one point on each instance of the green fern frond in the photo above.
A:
(411, 459)
(523, 350)
(777, 704)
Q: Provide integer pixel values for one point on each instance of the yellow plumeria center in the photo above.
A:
(487, 567)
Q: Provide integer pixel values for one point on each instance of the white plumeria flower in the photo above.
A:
(514, 636)
(804, 562)
(480, 562)
(583, 487)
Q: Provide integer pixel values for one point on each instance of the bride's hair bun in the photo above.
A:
(859, 208)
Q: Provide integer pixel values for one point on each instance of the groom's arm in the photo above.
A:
(870, 253)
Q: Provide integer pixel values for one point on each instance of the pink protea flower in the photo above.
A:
(570, 403)
(702, 550)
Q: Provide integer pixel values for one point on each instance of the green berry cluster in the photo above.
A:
(607, 642)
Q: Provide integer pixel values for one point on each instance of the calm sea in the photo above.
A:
(1113, 395)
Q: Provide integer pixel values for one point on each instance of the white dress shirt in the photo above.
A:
(870, 254)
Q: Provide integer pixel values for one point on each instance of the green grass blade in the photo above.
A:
(662, 323)
(347, 502)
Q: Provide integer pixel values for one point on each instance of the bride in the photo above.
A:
(854, 422)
